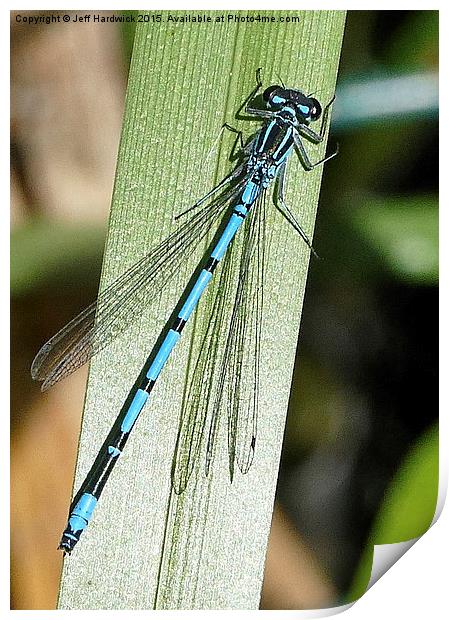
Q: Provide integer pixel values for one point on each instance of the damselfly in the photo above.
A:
(239, 198)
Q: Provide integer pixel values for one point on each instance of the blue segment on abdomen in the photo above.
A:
(241, 209)
(194, 295)
(137, 403)
(250, 193)
(82, 512)
(166, 347)
(232, 227)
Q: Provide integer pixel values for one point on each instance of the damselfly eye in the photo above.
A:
(316, 110)
(268, 92)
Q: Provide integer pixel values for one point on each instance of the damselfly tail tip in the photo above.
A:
(66, 545)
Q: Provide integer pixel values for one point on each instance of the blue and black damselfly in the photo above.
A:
(240, 200)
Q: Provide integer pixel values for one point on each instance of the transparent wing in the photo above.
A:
(232, 379)
(199, 395)
(121, 303)
(238, 390)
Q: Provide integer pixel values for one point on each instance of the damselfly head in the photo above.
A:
(306, 108)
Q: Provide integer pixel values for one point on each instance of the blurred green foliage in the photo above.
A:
(48, 254)
(403, 232)
(408, 507)
(415, 42)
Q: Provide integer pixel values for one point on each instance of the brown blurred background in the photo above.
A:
(364, 392)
